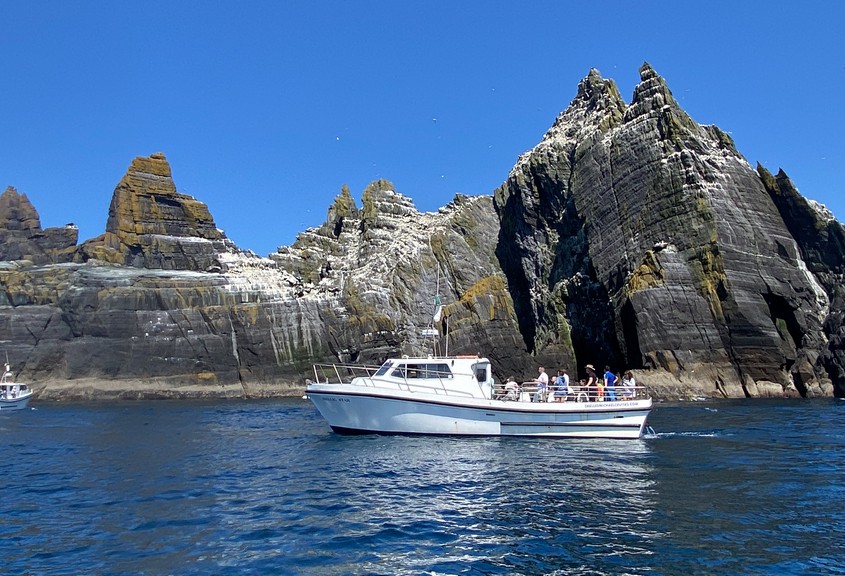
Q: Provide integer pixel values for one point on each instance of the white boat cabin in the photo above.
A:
(468, 376)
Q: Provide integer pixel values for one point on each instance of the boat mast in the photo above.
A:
(434, 330)
(438, 313)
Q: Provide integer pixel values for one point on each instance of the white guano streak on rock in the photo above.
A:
(273, 340)
(821, 296)
(234, 342)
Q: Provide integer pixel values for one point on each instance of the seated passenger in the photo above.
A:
(511, 389)
(581, 392)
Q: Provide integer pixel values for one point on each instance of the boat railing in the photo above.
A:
(527, 391)
(363, 376)
(457, 385)
(343, 373)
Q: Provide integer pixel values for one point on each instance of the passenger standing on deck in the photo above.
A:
(609, 384)
(542, 386)
(561, 386)
(592, 383)
(571, 391)
(630, 385)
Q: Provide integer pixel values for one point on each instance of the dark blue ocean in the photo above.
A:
(264, 487)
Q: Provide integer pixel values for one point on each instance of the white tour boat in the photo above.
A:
(454, 395)
(13, 395)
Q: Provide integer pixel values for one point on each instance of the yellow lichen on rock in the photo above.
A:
(649, 274)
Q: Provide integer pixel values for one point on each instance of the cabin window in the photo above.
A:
(439, 371)
(384, 368)
(481, 372)
(429, 371)
(399, 371)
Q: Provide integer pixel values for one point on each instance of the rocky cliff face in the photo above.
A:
(151, 225)
(821, 240)
(21, 235)
(645, 240)
(629, 236)
(164, 305)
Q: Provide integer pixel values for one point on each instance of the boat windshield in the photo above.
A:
(384, 368)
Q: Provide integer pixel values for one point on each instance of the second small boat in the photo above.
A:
(13, 395)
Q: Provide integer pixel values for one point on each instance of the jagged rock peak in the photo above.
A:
(820, 209)
(156, 165)
(596, 92)
(343, 208)
(596, 109)
(21, 236)
(344, 204)
(458, 201)
(820, 236)
(146, 202)
(151, 225)
(652, 96)
(17, 212)
(597, 104)
(381, 197)
(648, 73)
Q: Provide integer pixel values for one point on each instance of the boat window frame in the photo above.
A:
(482, 372)
(383, 369)
(428, 371)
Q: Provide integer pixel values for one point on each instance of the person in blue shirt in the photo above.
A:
(609, 384)
(561, 386)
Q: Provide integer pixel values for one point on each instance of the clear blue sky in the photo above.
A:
(265, 109)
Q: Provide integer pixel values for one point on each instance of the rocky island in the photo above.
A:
(630, 236)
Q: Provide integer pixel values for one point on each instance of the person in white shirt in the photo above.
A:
(511, 389)
(630, 385)
(542, 386)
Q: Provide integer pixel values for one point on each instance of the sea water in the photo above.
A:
(264, 487)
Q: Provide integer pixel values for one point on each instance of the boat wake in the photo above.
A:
(651, 434)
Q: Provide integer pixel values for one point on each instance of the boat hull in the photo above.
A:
(14, 403)
(350, 411)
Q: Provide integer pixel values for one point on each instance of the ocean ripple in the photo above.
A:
(264, 487)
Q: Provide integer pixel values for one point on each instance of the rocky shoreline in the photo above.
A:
(90, 389)
(660, 386)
